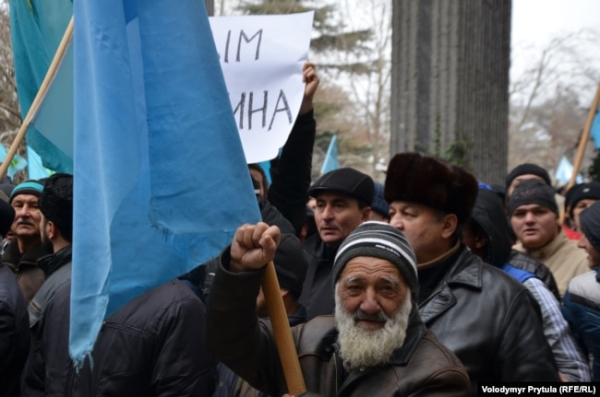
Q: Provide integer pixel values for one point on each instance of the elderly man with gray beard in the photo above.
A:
(375, 345)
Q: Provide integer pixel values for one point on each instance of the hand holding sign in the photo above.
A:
(310, 78)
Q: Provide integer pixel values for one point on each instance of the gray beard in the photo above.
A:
(367, 348)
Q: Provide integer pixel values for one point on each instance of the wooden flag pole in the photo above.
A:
(39, 97)
(282, 333)
(585, 137)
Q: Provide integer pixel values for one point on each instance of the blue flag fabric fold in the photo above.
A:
(161, 182)
(331, 158)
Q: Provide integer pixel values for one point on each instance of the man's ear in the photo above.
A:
(366, 213)
(51, 230)
(449, 225)
(284, 292)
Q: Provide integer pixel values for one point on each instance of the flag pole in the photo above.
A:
(282, 333)
(585, 137)
(39, 97)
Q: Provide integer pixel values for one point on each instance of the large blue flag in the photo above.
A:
(37, 28)
(331, 158)
(161, 182)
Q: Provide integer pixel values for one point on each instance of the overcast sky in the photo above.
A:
(536, 22)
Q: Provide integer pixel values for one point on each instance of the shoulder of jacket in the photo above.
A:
(316, 337)
(585, 286)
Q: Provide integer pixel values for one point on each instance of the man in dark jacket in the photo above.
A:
(290, 268)
(152, 346)
(14, 334)
(479, 312)
(375, 345)
(343, 201)
(26, 248)
(487, 235)
(56, 207)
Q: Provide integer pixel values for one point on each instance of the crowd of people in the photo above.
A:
(429, 284)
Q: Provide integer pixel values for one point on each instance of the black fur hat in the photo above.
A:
(431, 182)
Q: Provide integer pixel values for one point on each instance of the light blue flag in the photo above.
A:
(595, 131)
(161, 182)
(266, 166)
(331, 158)
(564, 171)
(37, 27)
(17, 164)
(35, 169)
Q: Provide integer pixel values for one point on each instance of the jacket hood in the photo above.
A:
(489, 214)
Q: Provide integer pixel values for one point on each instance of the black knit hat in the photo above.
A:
(379, 240)
(590, 224)
(525, 169)
(532, 191)
(583, 191)
(347, 181)
(56, 203)
(290, 265)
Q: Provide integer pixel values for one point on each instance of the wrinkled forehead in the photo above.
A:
(371, 269)
(21, 199)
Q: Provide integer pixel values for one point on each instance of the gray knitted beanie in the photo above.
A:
(379, 240)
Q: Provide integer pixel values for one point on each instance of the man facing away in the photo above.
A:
(375, 344)
(480, 313)
(343, 201)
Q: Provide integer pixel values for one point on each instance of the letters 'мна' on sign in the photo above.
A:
(262, 58)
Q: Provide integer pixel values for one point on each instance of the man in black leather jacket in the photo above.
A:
(480, 313)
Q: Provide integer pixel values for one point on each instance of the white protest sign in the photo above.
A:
(262, 57)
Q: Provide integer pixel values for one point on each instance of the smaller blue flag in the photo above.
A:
(595, 132)
(564, 171)
(17, 164)
(35, 169)
(331, 158)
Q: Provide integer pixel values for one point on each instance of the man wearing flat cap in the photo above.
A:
(25, 248)
(479, 312)
(343, 201)
(534, 218)
(582, 301)
(375, 345)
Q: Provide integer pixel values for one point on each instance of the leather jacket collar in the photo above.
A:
(466, 271)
